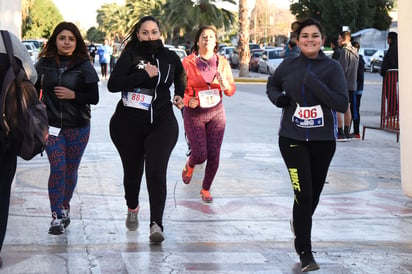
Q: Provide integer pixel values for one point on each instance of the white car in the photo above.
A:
(270, 60)
(226, 51)
(367, 54)
(180, 52)
(376, 60)
(32, 51)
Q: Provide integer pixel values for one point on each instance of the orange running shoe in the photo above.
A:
(205, 196)
(187, 173)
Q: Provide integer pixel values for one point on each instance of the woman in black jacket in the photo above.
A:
(309, 89)
(67, 82)
(144, 128)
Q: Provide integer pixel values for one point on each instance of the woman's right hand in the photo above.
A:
(151, 70)
(193, 102)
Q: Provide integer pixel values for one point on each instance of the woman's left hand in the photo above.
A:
(178, 101)
(223, 82)
(64, 93)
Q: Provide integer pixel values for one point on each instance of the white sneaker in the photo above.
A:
(156, 234)
(131, 221)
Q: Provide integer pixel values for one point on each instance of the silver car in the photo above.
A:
(270, 60)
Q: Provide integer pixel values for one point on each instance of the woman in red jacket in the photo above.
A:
(209, 76)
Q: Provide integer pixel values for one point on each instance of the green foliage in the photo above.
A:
(357, 14)
(94, 35)
(42, 18)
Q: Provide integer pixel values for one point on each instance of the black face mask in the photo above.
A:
(150, 46)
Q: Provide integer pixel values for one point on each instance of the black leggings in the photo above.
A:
(355, 110)
(103, 67)
(8, 164)
(144, 146)
(308, 164)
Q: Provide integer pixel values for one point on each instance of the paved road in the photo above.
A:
(362, 224)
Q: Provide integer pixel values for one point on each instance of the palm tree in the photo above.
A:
(243, 44)
(188, 15)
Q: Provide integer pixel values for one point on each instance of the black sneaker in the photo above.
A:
(56, 225)
(307, 261)
(342, 138)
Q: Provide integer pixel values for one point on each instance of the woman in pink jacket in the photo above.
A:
(209, 76)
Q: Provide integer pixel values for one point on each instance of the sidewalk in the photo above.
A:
(363, 223)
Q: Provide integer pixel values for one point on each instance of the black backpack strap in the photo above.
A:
(8, 80)
(9, 49)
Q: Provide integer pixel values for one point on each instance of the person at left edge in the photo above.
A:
(143, 127)
(8, 159)
(69, 84)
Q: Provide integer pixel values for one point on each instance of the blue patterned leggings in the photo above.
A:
(65, 153)
(205, 129)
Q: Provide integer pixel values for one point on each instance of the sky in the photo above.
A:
(83, 12)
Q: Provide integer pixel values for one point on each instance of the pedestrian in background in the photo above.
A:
(8, 159)
(113, 56)
(143, 127)
(349, 60)
(336, 48)
(309, 89)
(357, 95)
(69, 84)
(390, 61)
(92, 51)
(209, 76)
(104, 52)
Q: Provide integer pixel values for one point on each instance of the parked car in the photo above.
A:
(270, 60)
(33, 52)
(38, 44)
(367, 54)
(180, 52)
(254, 59)
(226, 51)
(376, 60)
(234, 56)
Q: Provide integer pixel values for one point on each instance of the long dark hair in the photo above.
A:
(131, 39)
(197, 37)
(50, 50)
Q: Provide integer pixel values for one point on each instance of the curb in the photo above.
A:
(250, 80)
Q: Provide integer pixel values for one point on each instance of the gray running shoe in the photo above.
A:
(66, 217)
(131, 221)
(56, 225)
(156, 234)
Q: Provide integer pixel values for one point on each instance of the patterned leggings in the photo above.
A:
(205, 129)
(65, 153)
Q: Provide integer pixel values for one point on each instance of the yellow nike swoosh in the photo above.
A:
(293, 145)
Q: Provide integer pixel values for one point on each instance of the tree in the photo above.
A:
(357, 14)
(243, 44)
(188, 15)
(40, 18)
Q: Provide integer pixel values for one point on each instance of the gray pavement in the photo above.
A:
(362, 224)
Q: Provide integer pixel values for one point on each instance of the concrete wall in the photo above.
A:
(10, 14)
(405, 89)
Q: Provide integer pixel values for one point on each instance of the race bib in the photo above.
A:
(54, 131)
(308, 117)
(140, 98)
(209, 98)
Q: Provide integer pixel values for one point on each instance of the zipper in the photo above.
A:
(155, 90)
(61, 71)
